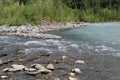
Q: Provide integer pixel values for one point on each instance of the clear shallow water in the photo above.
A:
(97, 44)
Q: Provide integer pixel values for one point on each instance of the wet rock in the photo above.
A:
(56, 78)
(1, 62)
(73, 78)
(72, 74)
(40, 69)
(38, 72)
(30, 69)
(4, 77)
(18, 67)
(80, 62)
(38, 66)
(32, 72)
(50, 66)
(5, 70)
(64, 57)
(45, 71)
(77, 70)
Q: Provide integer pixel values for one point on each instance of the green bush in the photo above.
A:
(15, 12)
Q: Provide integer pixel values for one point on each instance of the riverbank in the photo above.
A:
(38, 31)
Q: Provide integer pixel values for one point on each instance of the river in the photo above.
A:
(98, 44)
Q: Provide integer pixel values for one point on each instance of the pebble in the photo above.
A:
(77, 70)
(80, 62)
(50, 66)
(4, 77)
(64, 57)
(72, 78)
(72, 74)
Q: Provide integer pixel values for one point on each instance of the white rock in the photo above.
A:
(80, 62)
(18, 67)
(45, 71)
(50, 66)
(38, 66)
(5, 70)
(56, 78)
(72, 74)
(77, 70)
(64, 57)
(4, 77)
(72, 78)
(33, 73)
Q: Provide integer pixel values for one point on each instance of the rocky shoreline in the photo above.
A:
(38, 30)
(17, 65)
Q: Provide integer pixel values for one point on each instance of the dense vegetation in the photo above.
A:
(17, 12)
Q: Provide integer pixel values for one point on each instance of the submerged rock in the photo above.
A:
(15, 67)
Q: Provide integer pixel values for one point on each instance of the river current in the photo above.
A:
(98, 44)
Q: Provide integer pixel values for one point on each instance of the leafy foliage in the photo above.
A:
(18, 12)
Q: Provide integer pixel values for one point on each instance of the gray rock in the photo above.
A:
(50, 66)
(38, 72)
(80, 62)
(12, 70)
(38, 66)
(32, 72)
(30, 69)
(18, 67)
